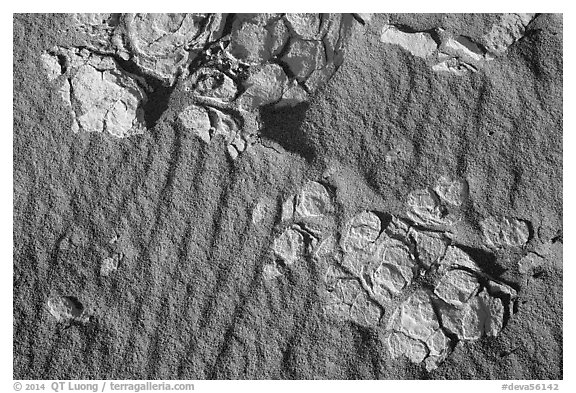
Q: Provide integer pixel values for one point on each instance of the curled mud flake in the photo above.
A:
(396, 253)
(387, 279)
(430, 246)
(195, 119)
(425, 207)
(439, 346)
(360, 231)
(418, 44)
(223, 125)
(313, 201)
(507, 294)
(333, 275)
(326, 247)
(303, 57)
(481, 315)
(415, 317)
(399, 344)
(509, 29)
(456, 287)
(505, 232)
(464, 48)
(400, 258)
(101, 96)
(346, 291)
(456, 258)
(264, 87)
(453, 192)
(106, 105)
(365, 312)
(495, 310)
(305, 25)
(67, 309)
(355, 262)
(289, 246)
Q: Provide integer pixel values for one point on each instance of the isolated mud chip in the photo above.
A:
(67, 310)
(452, 192)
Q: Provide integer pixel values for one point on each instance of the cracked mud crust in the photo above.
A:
(288, 196)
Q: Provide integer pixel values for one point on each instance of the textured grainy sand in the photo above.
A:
(189, 298)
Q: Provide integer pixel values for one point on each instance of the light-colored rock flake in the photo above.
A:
(365, 312)
(505, 232)
(418, 44)
(457, 258)
(255, 41)
(303, 57)
(289, 246)
(305, 25)
(387, 278)
(101, 96)
(453, 192)
(195, 119)
(509, 29)
(313, 201)
(415, 317)
(425, 207)
(456, 287)
(349, 301)
(400, 344)
(360, 231)
(481, 315)
(66, 310)
(430, 246)
(264, 87)
(439, 348)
